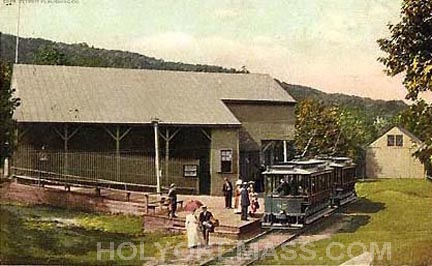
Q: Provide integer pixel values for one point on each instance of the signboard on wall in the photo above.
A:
(190, 170)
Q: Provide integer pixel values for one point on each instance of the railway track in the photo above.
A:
(252, 250)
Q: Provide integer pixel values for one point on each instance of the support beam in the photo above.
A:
(20, 133)
(208, 136)
(270, 144)
(167, 137)
(117, 136)
(167, 141)
(156, 139)
(66, 136)
(285, 151)
(267, 146)
(66, 149)
(117, 140)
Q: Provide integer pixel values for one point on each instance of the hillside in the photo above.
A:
(82, 54)
(374, 108)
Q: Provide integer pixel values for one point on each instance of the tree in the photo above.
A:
(417, 119)
(49, 55)
(7, 106)
(409, 48)
(330, 130)
(409, 51)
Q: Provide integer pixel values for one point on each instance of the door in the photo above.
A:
(204, 176)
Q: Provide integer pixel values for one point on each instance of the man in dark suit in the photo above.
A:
(205, 218)
(244, 202)
(227, 190)
(172, 196)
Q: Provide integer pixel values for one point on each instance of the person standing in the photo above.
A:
(193, 230)
(206, 223)
(244, 202)
(172, 196)
(227, 190)
(237, 207)
(254, 206)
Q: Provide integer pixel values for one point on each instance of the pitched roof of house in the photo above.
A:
(112, 95)
(403, 130)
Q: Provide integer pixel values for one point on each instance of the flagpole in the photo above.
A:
(17, 34)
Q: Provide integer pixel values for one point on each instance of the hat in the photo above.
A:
(238, 182)
(172, 185)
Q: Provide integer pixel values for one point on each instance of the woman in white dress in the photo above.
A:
(193, 230)
(237, 207)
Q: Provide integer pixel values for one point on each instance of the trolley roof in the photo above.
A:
(297, 167)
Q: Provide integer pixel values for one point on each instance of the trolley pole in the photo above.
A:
(157, 167)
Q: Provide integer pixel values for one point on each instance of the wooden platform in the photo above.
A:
(230, 223)
(132, 203)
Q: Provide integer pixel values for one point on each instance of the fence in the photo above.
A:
(123, 169)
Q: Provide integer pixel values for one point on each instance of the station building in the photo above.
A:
(104, 123)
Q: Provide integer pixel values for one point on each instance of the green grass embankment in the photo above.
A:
(392, 220)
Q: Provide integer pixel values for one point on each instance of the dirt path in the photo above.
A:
(326, 233)
(181, 255)
(364, 259)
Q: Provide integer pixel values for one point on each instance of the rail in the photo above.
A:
(252, 250)
(277, 238)
(74, 180)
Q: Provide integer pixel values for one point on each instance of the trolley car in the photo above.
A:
(343, 181)
(297, 193)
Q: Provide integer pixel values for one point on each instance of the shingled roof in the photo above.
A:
(132, 96)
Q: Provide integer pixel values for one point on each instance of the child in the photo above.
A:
(254, 204)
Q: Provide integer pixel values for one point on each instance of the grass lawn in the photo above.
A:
(394, 214)
(46, 235)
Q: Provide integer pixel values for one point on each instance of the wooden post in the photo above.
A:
(156, 139)
(117, 138)
(66, 137)
(167, 139)
(66, 150)
(285, 151)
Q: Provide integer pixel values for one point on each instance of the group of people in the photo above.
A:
(199, 225)
(245, 198)
(201, 222)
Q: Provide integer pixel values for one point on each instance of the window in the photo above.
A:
(399, 140)
(390, 140)
(226, 161)
(395, 140)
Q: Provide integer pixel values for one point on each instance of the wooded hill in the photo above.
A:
(81, 54)
(36, 50)
(368, 106)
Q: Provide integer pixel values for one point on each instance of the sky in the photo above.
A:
(329, 45)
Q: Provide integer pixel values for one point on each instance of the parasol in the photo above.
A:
(192, 205)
